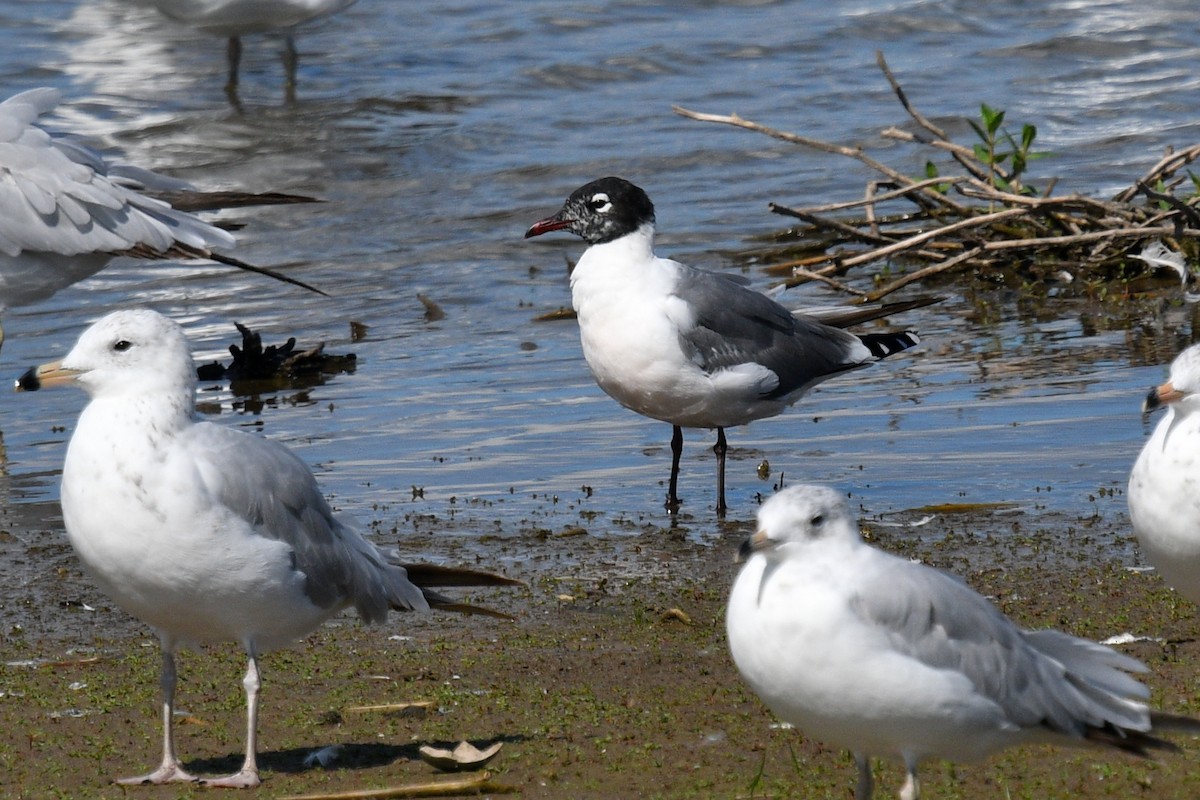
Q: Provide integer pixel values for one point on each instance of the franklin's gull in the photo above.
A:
(694, 348)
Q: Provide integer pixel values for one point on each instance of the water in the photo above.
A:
(436, 132)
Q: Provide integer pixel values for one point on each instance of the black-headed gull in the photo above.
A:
(694, 348)
(203, 532)
(236, 18)
(65, 212)
(1164, 485)
(888, 657)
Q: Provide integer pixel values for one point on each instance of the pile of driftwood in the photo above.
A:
(985, 218)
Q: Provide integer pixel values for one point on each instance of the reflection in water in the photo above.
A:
(237, 18)
(256, 370)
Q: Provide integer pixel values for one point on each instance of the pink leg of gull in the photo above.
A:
(247, 776)
(170, 770)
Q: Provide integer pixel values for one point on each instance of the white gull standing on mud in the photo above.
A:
(887, 657)
(206, 533)
(1164, 485)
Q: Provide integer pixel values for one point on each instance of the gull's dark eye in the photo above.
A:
(817, 521)
(598, 202)
(121, 345)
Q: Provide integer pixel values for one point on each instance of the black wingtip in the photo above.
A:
(883, 345)
(270, 273)
(1135, 743)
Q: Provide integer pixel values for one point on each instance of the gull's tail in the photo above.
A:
(188, 200)
(1139, 743)
(426, 576)
(845, 316)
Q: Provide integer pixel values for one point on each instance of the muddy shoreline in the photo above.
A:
(614, 681)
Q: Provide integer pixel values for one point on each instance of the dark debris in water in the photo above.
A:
(255, 368)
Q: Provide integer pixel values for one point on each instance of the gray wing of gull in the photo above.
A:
(1041, 679)
(266, 485)
(59, 196)
(733, 324)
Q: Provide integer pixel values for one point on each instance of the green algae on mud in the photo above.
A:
(606, 694)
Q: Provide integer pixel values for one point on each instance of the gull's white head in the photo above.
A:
(801, 514)
(1182, 389)
(131, 352)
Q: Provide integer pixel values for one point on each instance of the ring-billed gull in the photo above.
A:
(206, 533)
(237, 18)
(887, 657)
(65, 212)
(694, 348)
(1164, 486)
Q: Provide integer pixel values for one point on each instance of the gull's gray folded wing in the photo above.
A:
(267, 486)
(1043, 679)
(736, 325)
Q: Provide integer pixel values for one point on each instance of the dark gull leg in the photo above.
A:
(234, 54)
(247, 776)
(866, 783)
(170, 770)
(720, 448)
(673, 487)
(290, 59)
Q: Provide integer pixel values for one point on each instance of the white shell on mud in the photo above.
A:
(464, 756)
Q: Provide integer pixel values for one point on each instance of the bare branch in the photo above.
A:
(1166, 166)
(921, 274)
(816, 144)
(912, 112)
(943, 234)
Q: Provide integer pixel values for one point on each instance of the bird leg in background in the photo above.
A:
(866, 782)
(720, 448)
(289, 68)
(234, 55)
(673, 487)
(247, 776)
(170, 769)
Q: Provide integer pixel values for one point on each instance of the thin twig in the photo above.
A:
(921, 274)
(1090, 236)
(846, 230)
(921, 238)
(1167, 165)
(920, 119)
(883, 198)
(816, 144)
(963, 155)
(800, 272)
(472, 784)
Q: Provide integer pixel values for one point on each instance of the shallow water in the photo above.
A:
(436, 132)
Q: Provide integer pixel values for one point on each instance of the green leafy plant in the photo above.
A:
(993, 137)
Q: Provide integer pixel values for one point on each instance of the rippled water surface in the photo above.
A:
(437, 132)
